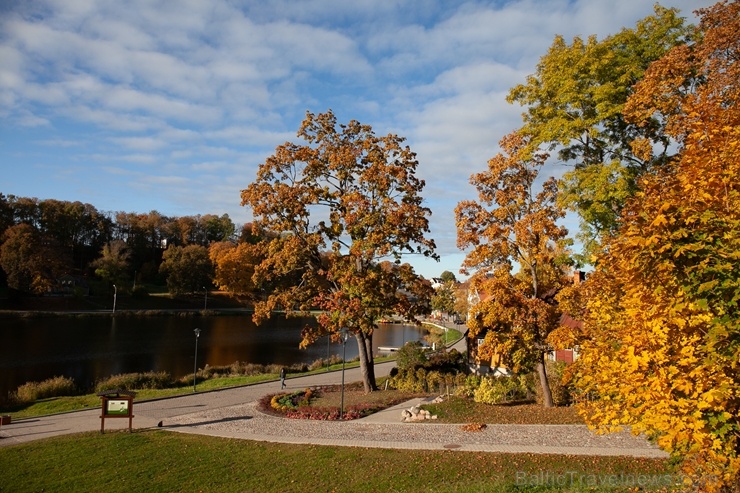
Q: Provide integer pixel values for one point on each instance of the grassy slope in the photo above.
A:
(166, 461)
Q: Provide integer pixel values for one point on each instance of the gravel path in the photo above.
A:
(247, 422)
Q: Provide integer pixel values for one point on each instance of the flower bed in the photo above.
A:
(331, 413)
(284, 403)
(297, 405)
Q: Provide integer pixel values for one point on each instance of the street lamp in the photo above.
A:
(344, 335)
(195, 362)
(115, 295)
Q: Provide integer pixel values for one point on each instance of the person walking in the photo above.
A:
(282, 378)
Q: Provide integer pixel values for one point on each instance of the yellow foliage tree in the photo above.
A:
(662, 345)
(234, 267)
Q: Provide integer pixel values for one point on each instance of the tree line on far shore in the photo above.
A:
(48, 245)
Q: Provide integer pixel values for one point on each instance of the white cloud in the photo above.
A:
(27, 119)
(64, 143)
(140, 143)
(184, 99)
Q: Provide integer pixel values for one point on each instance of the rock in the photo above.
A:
(415, 413)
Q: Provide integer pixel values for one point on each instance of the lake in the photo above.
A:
(91, 348)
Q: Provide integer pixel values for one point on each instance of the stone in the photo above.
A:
(415, 413)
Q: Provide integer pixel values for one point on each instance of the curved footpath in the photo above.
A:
(233, 413)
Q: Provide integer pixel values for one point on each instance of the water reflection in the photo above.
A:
(89, 348)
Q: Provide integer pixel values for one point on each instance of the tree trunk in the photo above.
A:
(367, 363)
(542, 373)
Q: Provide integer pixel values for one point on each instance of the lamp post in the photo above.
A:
(205, 302)
(344, 336)
(195, 362)
(115, 295)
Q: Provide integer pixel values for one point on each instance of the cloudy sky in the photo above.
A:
(171, 105)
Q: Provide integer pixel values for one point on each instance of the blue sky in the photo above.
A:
(171, 105)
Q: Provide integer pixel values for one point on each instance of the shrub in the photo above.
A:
(238, 368)
(451, 361)
(499, 390)
(334, 359)
(134, 381)
(410, 356)
(418, 370)
(52, 387)
(441, 382)
(408, 381)
(466, 385)
(215, 371)
(248, 369)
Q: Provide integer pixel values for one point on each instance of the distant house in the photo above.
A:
(566, 355)
(495, 364)
(437, 283)
(69, 285)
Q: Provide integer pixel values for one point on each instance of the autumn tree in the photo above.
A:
(462, 304)
(32, 262)
(6, 213)
(217, 228)
(574, 103)
(76, 227)
(513, 225)
(25, 210)
(662, 321)
(444, 298)
(234, 266)
(235, 262)
(113, 263)
(188, 269)
(342, 203)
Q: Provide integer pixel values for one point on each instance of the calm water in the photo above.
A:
(87, 349)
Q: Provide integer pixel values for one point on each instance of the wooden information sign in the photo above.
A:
(117, 404)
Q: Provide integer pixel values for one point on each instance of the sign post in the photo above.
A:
(117, 404)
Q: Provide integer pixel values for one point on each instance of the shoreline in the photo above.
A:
(135, 312)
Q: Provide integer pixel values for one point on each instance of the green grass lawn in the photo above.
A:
(160, 461)
(461, 410)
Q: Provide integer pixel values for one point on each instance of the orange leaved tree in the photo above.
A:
(514, 225)
(662, 321)
(342, 204)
